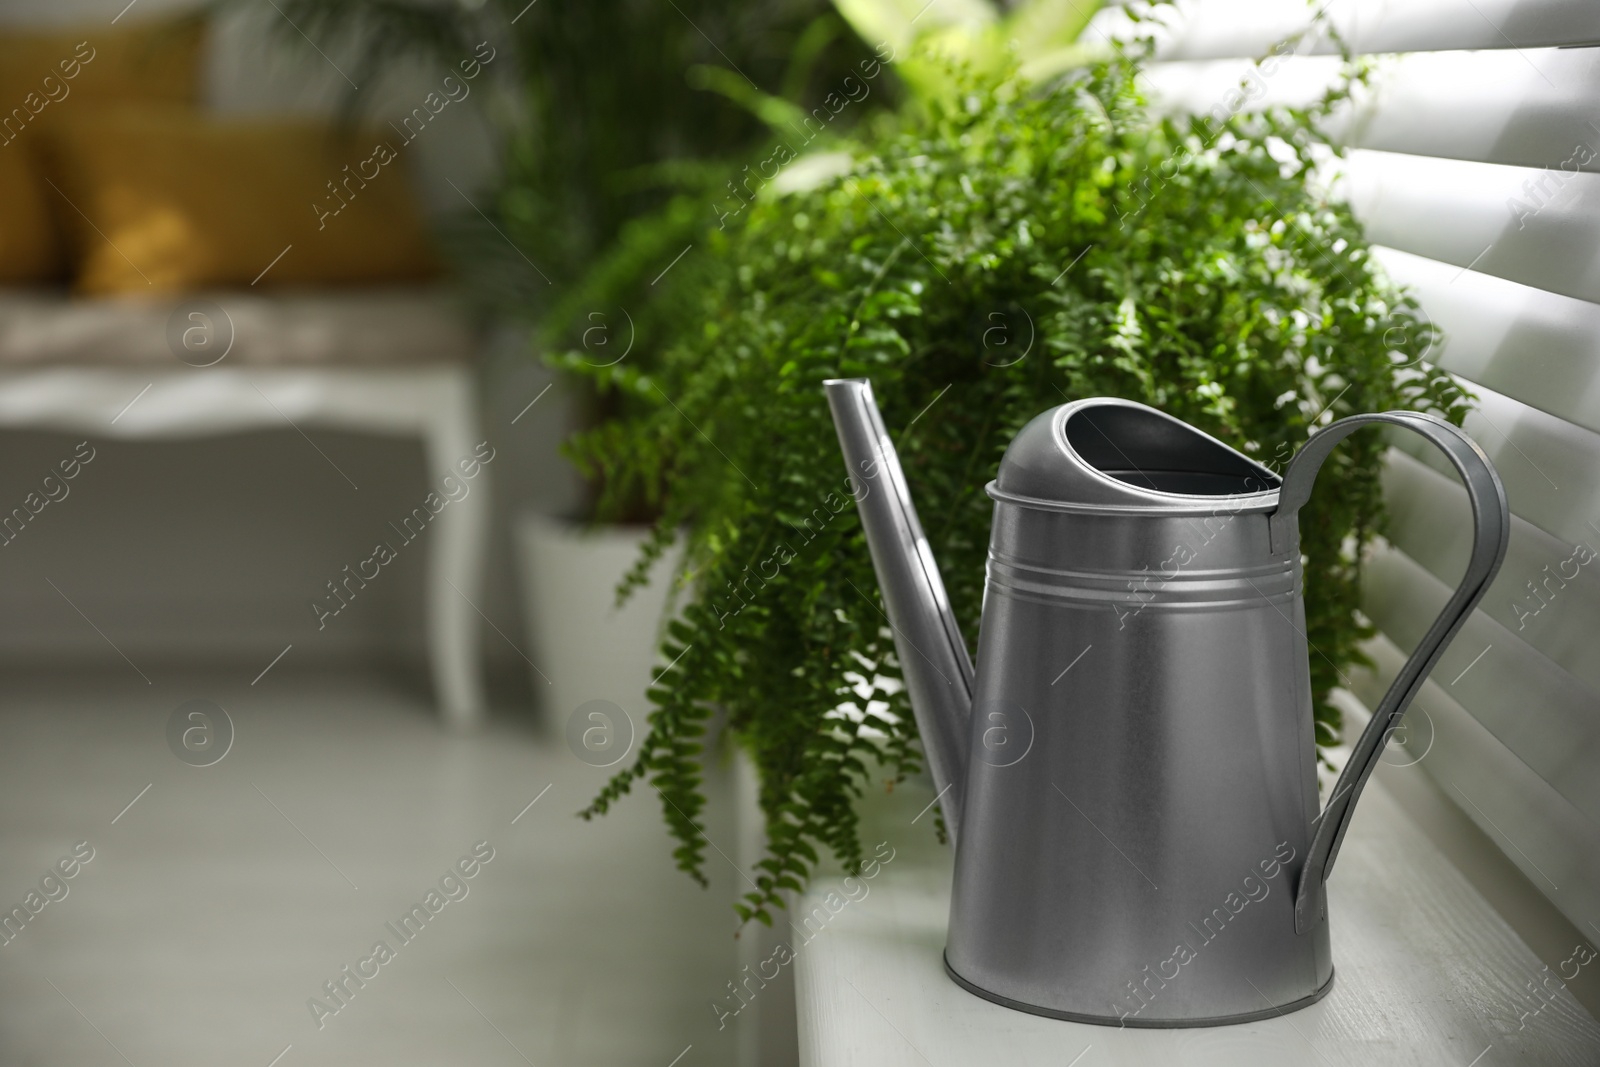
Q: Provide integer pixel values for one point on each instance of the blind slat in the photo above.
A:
(1471, 215)
(1550, 468)
(1222, 29)
(1558, 617)
(1553, 843)
(1526, 108)
(1536, 347)
(1490, 672)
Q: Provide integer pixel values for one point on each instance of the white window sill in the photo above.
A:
(1426, 972)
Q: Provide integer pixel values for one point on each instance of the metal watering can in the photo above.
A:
(1129, 778)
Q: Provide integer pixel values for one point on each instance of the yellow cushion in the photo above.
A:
(30, 247)
(167, 200)
(45, 75)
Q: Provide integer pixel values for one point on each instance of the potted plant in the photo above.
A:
(1002, 246)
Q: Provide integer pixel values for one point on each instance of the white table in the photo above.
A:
(1426, 973)
(385, 362)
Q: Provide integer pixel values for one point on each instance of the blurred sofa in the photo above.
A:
(168, 270)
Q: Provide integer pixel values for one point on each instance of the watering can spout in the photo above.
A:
(933, 657)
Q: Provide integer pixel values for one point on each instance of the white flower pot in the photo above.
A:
(583, 646)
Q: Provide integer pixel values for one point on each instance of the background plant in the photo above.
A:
(1038, 37)
(599, 116)
(915, 39)
(988, 255)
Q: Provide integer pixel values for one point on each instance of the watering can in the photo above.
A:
(1129, 775)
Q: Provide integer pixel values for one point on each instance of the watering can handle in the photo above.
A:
(1491, 532)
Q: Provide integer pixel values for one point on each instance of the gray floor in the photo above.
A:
(225, 897)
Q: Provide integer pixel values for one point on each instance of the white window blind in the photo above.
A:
(1475, 165)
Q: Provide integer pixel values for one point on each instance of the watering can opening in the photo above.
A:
(1105, 453)
(1150, 450)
